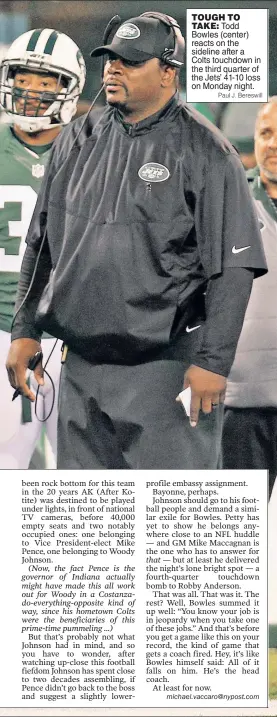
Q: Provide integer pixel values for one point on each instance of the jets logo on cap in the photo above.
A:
(128, 31)
(153, 172)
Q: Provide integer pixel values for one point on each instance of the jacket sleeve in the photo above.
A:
(226, 223)
(226, 303)
(33, 278)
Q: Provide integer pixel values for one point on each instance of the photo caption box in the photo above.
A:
(227, 55)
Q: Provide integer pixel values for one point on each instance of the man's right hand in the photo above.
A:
(20, 353)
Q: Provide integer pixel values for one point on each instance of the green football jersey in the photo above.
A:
(21, 172)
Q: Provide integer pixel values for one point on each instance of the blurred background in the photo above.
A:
(85, 21)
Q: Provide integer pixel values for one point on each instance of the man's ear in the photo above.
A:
(168, 75)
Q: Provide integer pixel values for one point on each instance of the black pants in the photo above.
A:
(126, 417)
(249, 440)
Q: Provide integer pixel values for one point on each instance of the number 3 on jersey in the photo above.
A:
(17, 204)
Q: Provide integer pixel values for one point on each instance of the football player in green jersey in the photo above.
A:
(41, 78)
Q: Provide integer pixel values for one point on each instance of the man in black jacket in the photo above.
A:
(150, 247)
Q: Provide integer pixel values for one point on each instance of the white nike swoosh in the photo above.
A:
(237, 251)
(188, 329)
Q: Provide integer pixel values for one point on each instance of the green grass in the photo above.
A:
(273, 674)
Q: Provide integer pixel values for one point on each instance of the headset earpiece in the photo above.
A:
(176, 55)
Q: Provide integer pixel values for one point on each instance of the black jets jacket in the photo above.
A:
(139, 219)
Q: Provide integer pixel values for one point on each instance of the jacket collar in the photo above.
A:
(165, 113)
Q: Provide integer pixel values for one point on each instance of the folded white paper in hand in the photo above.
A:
(185, 398)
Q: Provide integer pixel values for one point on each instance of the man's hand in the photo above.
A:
(207, 391)
(20, 353)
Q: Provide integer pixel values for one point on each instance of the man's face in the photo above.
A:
(132, 86)
(266, 142)
(31, 85)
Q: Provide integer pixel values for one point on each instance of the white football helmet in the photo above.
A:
(42, 51)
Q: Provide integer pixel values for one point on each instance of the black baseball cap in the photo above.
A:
(139, 39)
